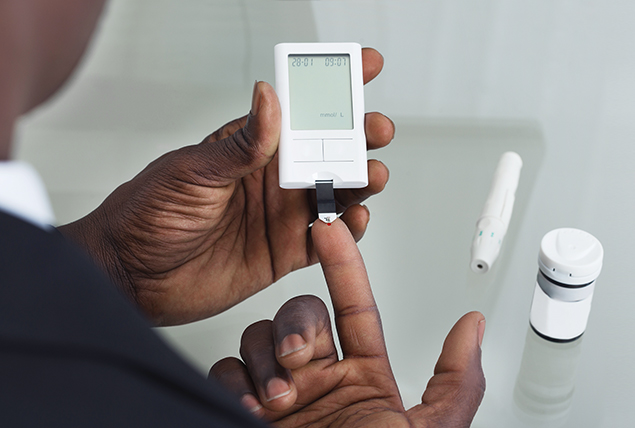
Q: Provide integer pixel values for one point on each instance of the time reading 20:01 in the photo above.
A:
(328, 61)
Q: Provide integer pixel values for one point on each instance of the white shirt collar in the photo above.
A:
(22, 194)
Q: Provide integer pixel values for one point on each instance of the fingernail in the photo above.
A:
(481, 331)
(250, 403)
(292, 343)
(277, 388)
(255, 100)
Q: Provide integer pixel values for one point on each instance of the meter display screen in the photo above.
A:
(320, 93)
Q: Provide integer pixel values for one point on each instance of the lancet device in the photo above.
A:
(569, 262)
(491, 226)
(321, 91)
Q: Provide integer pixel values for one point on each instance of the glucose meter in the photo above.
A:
(320, 87)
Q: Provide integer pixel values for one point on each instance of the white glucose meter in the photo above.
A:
(321, 92)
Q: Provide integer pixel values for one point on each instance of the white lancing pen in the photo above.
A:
(493, 222)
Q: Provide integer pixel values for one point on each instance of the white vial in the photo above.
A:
(570, 261)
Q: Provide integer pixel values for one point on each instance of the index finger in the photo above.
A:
(373, 62)
(356, 314)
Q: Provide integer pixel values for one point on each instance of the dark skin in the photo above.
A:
(204, 227)
(290, 373)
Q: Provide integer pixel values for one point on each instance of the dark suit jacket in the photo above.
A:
(75, 352)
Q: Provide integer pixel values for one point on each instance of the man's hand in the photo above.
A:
(204, 227)
(291, 374)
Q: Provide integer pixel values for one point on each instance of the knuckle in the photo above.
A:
(255, 330)
(305, 315)
(227, 130)
(307, 301)
(225, 367)
(240, 146)
(237, 148)
(257, 341)
(301, 312)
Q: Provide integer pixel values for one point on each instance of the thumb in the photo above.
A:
(244, 145)
(456, 390)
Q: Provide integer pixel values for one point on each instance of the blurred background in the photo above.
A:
(464, 82)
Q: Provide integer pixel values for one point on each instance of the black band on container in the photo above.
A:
(562, 284)
(554, 340)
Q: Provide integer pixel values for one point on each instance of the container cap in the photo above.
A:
(570, 256)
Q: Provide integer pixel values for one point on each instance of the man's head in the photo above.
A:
(41, 42)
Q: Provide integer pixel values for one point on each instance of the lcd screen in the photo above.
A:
(320, 92)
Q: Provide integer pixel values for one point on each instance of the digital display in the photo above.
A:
(320, 92)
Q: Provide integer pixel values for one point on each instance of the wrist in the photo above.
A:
(91, 234)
